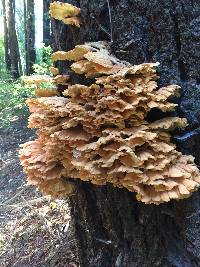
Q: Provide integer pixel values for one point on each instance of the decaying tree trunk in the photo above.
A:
(112, 228)
(29, 20)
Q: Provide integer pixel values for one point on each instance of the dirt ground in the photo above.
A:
(34, 230)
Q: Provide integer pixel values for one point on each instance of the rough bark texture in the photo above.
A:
(112, 228)
(29, 20)
(7, 57)
(13, 54)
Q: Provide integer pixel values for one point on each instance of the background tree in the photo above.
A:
(12, 55)
(46, 23)
(6, 47)
(29, 21)
(112, 228)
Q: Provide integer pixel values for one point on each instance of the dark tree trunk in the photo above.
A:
(112, 228)
(12, 49)
(46, 23)
(5, 23)
(29, 21)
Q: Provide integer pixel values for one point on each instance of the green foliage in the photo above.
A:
(4, 74)
(43, 60)
(2, 64)
(12, 101)
(2, 60)
(14, 94)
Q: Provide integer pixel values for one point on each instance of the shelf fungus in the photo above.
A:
(47, 91)
(100, 132)
(54, 71)
(65, 12)
(36, 79)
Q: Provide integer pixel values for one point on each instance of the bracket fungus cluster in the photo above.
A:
(99, 132)
(65, 12)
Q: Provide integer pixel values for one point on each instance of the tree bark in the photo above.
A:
(46, 23)
(11, 40)
(29, 21)
(112, 228)
(7, 57)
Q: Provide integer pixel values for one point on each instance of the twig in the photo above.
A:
(104, 30)
(24, 203)
(19, 260)
(110, 18)
(15, 196)
(101, 27)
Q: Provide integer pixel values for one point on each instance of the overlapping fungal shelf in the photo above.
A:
(99, 133)
(65, 12)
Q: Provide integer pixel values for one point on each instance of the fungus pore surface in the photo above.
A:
(99, 132)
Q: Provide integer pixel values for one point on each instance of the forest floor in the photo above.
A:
(34, 231)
